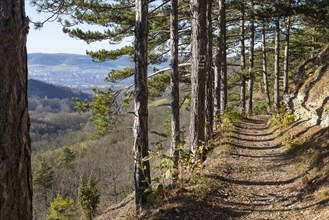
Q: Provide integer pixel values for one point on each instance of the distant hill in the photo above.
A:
(81, 61)
(78, 71)
(40, 89)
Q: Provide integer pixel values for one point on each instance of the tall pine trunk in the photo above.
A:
(286, 59)
(142, 168)
(223, 67)
(210, 78)
(264, 64)
(277, 65)
(217, 76)
(15, 145)
(175, 123)
(251, 64)
(242, 63)
(198, 73)
(217, 80)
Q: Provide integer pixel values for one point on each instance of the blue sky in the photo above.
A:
(51, 39)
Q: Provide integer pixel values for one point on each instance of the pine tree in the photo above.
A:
(251, 60)
(88, 196)
(222, 55)
(277, 65)
(142, 167)
(210, 76)
(66, 156)
(15, 145)
(43, 178)
(199, 59)
(175, 122)
(264, 64)
(242, 60)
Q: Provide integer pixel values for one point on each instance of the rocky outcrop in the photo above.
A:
(311, 101)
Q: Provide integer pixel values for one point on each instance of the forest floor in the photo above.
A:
(257, 172)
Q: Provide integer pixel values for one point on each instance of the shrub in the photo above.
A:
(61, 209)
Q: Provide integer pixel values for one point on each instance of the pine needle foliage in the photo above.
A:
(89, 197)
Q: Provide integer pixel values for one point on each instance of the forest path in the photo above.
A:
(260, 181)
(251, 175)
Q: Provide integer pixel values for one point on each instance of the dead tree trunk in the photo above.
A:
(175, 123)
(264, 64)
(210, 78)
(277, 64)
(199, 59)
(251, 64)
(286, 59)
(142, 168)
(15, 145)
(223, 67)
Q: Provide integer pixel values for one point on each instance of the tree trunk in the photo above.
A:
(223, 67)
(217, 84)
(142, 168)
(175, 123)
(210, 78)
(251, 64)
(242, 63)
(217, 74)
(264, 64)
(199, 56)
(242, 93)
(286, 59)
(277, 64)
(15, 145)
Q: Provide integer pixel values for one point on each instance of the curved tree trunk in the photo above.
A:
(210, 78)
(199, 59)
(175, 127)
(15, 147)
(264, 64)
(142, 168)
(251, 64)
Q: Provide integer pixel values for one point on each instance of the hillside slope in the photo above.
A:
(40, 89)
(311, 101)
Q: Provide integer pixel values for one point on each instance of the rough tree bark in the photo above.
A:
(286, 58)
(223, 66)
(251, 63)
(264, 64)
(15, 147)
(217, 76)
(277, 64)
(210, 78)
(142, 168)
(175, 123)
(199, 55)
(242, 63)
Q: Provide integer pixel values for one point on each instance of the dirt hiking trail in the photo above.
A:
(251, 176)
(262, 183)
(254, 173)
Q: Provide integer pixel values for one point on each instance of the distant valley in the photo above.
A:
(75, 71)
(72, 70)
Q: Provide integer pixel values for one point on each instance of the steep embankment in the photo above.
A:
(311, 100)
